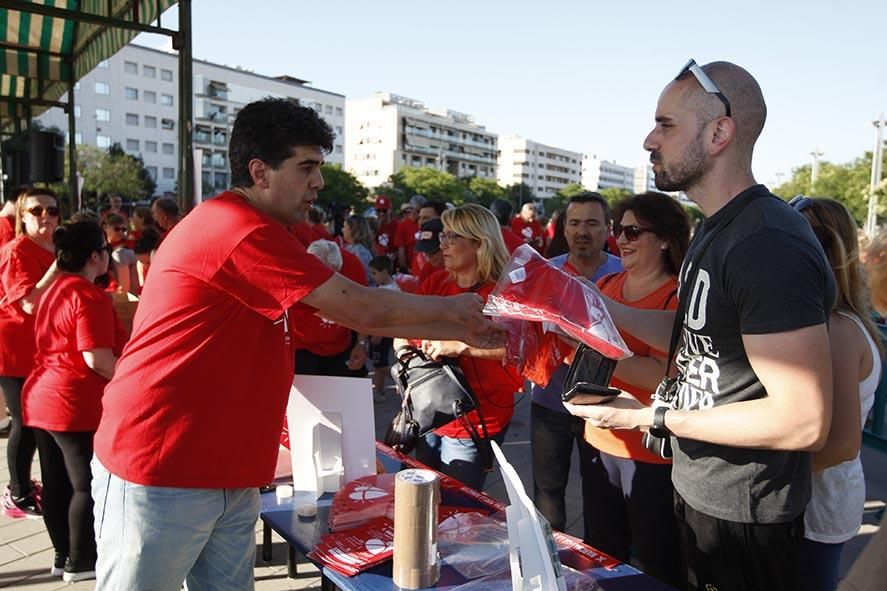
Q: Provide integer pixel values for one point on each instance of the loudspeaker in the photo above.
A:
(47, 156)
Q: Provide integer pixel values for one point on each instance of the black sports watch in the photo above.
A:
(659, 429)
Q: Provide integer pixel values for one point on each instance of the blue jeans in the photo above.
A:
(455, 457)
(818, 565)
(152, 537)
(552, 437)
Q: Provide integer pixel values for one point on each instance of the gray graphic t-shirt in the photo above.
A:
(764, 272)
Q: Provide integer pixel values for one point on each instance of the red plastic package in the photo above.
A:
(532, 288)
(362, 500)
(535, 353)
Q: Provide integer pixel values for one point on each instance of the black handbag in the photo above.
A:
(433, 394)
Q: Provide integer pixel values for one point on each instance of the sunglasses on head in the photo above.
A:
(632, 232)
(708, 85)
(37, 211)
(800, 203)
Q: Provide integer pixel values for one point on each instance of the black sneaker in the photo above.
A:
(78, 572)
(58, 565)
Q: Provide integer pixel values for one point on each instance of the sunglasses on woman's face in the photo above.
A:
(632, 232)
(120, 228)
(38, 211)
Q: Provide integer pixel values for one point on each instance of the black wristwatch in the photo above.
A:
(659, 429)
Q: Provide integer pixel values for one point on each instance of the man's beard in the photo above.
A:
(685, 174)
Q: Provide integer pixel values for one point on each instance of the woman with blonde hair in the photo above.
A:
(474, 256)
(834, 513)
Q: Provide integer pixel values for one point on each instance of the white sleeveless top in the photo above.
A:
(835, 510)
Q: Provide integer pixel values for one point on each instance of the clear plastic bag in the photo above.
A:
(575, 581)
(532, 288)
(475, 545)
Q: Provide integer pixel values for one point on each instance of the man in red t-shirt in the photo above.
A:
(527, 227)
(387, 232)
(192, 418)
(407, 228)
(7, 228)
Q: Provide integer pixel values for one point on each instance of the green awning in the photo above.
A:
(45, 45)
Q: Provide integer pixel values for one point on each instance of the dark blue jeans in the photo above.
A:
(552, 437)
(818, 566)
(628, 508)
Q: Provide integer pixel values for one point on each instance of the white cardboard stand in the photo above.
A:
(331, 429)
(535, 565)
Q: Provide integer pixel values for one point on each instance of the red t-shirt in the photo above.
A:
(317, 334)
(321, 232)
(406, 237)
(23, 263)
(526, 231)
(385, 237)
(304, 233)
(63, 393)
(493, 383)
(7, 229)
(512, 240)
(199, 394)
(627, 444)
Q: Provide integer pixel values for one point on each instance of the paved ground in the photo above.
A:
(26, 553)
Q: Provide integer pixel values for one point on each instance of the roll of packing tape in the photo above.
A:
(416, 501)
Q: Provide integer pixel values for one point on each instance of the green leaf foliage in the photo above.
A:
(341, 187)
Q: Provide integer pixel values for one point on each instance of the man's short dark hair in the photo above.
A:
(503, 211)
(382, 263)
(269, 130)
(13, 193)
(167, 206)
(592, 197)
(438, 206)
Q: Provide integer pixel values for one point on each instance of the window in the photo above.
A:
(151, 147)
(130, 67)
(132, 119)
(338, 149)
(167, 124)
(318, 107)
(168, 148)
(149, 71)
(103, 64)
(132, 145)
(328, 109)
(103, 141)
(150, 96)
(102, 115)
(339, 130)
(338, 111)
(102, 88)
(76, 110)
(169, 173)
(166, 99)
(150, 122)
(166, 75)
(131, 93)
(152, 170)
(78, 138)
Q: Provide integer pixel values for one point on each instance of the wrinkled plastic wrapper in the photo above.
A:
(476, 546)
(532, 288)
(534, 352)
(575, 581)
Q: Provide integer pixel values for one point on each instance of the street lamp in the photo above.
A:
(814, 172)
(877, 158)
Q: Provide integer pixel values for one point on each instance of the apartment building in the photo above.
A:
(132, 99)
(546, 169)
(643, 178)
(598, 174)
(386, 132)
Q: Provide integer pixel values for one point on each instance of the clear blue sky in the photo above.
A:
(582, 75)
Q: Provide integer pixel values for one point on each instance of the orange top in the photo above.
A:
(627, 444)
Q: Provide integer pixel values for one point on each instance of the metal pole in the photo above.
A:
(814, 172)
(186, 108)
(72, 146)
(877, 158)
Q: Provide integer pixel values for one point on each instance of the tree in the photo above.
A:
(485, 190)
(112, 171)
(848, 183)
(341, 187)
(520, 193)
(614, 195)
(426, 181)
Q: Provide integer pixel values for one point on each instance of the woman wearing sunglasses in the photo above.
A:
(834, 513)
(78, 340)
(123, 267)
(26, 270)
(627, 491)
(474, 255)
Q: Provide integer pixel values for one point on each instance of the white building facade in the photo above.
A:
(132, 99)
(387, 132)
(598, 174)
(546, 169)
